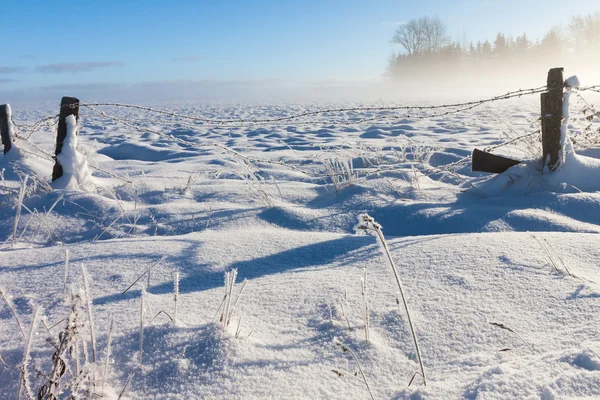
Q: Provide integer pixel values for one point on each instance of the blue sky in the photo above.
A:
(47, 43)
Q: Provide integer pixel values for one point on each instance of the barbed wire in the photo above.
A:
(589, 107)
(385, 118)
(36, 126)
(594, 88)
(213, 121)
(408, 112)
(229, 123)
(464, 106)
(141, 129)
(35, 146)
(490, 148)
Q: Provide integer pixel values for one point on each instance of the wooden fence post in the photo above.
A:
(4, 111)
(551, 102)
(68, 106)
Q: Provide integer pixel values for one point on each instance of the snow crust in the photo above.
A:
(519, 249)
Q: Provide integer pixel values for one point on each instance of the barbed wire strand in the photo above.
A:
(195, 145)
(211, 121)
(490, 148)
(36, 126)
(460, 107)
(214, 121)
(590, 107)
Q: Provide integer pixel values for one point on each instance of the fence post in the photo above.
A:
(551, 102)
(4, 111)
(68, 106)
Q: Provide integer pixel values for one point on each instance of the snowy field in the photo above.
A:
(278, 203)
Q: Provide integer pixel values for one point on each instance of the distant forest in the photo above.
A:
(428, 52)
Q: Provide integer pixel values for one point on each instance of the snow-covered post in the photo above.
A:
(6, 127)
(552, 114)
(68, 106)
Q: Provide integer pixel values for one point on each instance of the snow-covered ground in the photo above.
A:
(279, 203)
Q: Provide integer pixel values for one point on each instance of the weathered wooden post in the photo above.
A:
(552, 102)
(6, 140)
(68, 106)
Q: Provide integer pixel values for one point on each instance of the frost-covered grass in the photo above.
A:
(273, 208)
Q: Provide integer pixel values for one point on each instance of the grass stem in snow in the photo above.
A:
(156, 316)
(176, 296)
(506, 328)
(107, 356)
(66, 271)
(237, 299)
(12, 310)
(141, 326)
(345, 349)
(19, 205)
(144, 274)
(26, 358)
(363, 286)
(367, 223)
(125, 387)
(88, 297)
(344, 315)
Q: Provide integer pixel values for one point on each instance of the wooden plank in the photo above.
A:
(483, 161)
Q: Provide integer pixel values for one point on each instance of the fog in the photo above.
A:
(429, 67)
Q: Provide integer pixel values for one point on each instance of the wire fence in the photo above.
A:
(418, 112)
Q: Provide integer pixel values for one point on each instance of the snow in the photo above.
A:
(518, 250)
(76, 174)
(572, 82)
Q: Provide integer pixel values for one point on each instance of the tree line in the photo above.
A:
(427, 50)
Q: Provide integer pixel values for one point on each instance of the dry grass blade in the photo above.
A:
(237, 299)
(27, 358)
(345, 349)
(559, 257)
(156, 316)
(343, 374)
(141, 328)
(107, 356)
(366, 317)
(19, 205)
(549, 255)
(176, 295)
(88, 298)
(66, 271)
(502, 326)
(147, 272)
(12, 310)
(125, 387)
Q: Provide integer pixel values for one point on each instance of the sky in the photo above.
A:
(110, 43)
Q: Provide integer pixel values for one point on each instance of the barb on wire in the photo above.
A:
(594, 88)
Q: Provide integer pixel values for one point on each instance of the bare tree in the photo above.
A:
(423, 35)
(435, 33)
(411, 37)
(585, 31)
